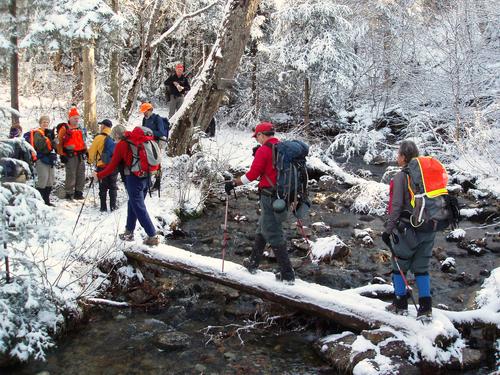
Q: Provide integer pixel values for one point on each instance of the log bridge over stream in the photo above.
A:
(349, 307)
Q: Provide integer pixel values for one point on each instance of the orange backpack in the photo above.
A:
(433, 208)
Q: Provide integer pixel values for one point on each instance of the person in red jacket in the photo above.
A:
(137, 189)
(269, 228)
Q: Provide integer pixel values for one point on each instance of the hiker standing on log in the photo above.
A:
(269, 227)
(412, 248)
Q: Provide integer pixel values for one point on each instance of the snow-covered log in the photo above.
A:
(345, 307)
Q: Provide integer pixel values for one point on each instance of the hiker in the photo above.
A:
(269, 227)
(118, 134)
(43, 141)
(159, 126)
(413, 249)
(72, 150)
(177, 86)
(136, 181)
(100, 153)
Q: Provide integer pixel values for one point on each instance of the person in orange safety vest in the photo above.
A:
(72, 150)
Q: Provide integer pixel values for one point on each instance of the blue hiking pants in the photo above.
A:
(137, 188)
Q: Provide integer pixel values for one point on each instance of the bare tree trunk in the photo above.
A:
(77, 91)
(202, 102)
(255, 91)
(14, 64)
(307, 101)
(114, 71)
(89, 89)
(140, 69)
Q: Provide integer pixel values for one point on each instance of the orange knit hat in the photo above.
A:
(73, 112)
(145, 107)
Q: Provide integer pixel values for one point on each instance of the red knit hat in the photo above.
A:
(263, 127)
(73, 112)
(179, 66)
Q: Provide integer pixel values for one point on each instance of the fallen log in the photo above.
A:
(351, 310)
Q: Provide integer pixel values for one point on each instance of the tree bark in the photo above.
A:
(77, 90)
(89, 89)
(14, 64)
(114, 71)
(307, 101)
(202, 102)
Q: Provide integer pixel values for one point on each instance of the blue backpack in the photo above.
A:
(289, 160)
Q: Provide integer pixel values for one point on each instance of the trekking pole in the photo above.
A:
(224, 243)
(83, 204)
(395, 258)
(7, 269)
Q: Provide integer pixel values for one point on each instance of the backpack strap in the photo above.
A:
(273, 152)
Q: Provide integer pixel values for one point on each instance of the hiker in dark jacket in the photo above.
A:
(42, 140)
(177, 85)
(412, 248)
(155, 122)
(137, 189)
(269, 228)
(100, 153)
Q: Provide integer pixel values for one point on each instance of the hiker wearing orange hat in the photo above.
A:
(177, 85)
(159, 125)
(73, 150)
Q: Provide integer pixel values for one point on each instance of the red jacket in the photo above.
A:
(122, 153)
(262, 166)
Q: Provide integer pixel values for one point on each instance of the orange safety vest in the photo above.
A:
(75, 139)
(42, 133)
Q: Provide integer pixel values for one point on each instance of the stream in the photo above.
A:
(169, 336)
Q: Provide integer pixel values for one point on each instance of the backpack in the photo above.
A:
(166, 125)
(289, 160)
(433, 208)
(145, 151)
(107, 149)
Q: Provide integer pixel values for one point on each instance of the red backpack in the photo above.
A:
(146, 156)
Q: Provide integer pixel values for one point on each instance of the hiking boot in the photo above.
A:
(126, 236)
(285, 273)
(424, 312)
(68, 196)
(46, 196)
(78, 195)
(152, 241)
(399, 306)
(288, 279)
(250, 265)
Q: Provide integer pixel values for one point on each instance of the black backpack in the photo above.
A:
(289, 160)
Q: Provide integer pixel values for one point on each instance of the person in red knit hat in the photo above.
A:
(72, 150)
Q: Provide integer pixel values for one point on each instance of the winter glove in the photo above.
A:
(229, 186)
(64, 159)
(254, 150)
